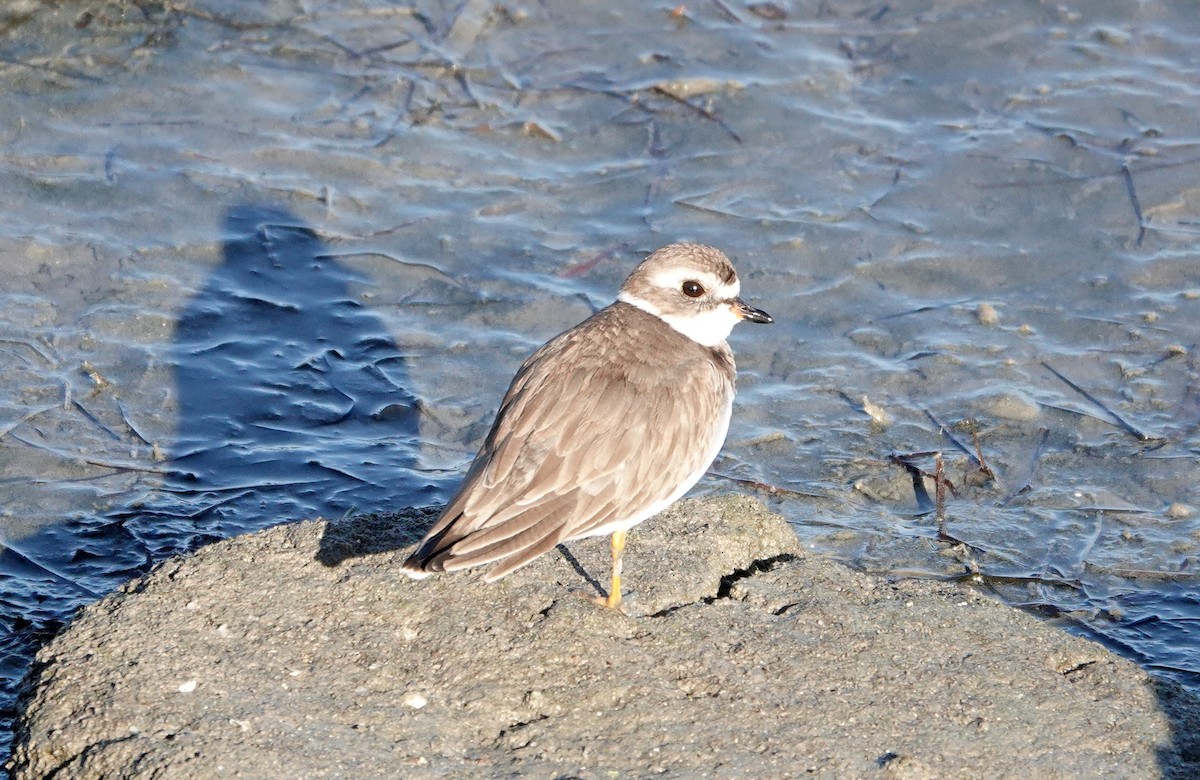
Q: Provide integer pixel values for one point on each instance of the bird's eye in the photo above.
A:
(693, 289)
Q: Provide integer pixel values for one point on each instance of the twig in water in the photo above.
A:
(763, 487)
(591, 261)
(945, 431)
(1137, 206)
(93, 419)
(1116, 418)
(939, 488)
(983, 466)
(219, 19)
(129, 424)
(701, 110)
(921, 310)
(925, 504)
(129, 467)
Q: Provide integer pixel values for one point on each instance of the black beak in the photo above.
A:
(744, 311)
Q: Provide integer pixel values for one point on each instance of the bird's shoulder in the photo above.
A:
(624, 344)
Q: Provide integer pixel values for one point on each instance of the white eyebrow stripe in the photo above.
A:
(671, 279)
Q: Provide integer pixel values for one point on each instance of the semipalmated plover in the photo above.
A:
(606, 425)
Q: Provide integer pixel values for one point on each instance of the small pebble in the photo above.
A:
(986, 314)
(770, 11)
(539, 130)
(877, 413)
(414, 700)
(1111, 36)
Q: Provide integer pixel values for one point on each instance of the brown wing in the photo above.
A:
(589, 433)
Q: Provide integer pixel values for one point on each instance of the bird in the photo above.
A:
(604, 426)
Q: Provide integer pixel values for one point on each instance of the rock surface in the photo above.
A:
(302, 651)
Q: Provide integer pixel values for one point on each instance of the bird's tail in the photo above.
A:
(427, 558)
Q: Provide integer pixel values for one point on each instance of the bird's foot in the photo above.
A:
(606, 601)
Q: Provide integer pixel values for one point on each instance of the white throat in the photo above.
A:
(708, 328)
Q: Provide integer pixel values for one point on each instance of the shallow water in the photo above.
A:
(276, 262)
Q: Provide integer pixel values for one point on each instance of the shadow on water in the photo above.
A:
(292, 395)
(1164, 622)
(292, 404)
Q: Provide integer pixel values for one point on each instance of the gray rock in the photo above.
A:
(743, 657)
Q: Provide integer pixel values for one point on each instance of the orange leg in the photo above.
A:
(614, 592)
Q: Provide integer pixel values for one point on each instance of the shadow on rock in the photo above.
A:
(373, 534)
